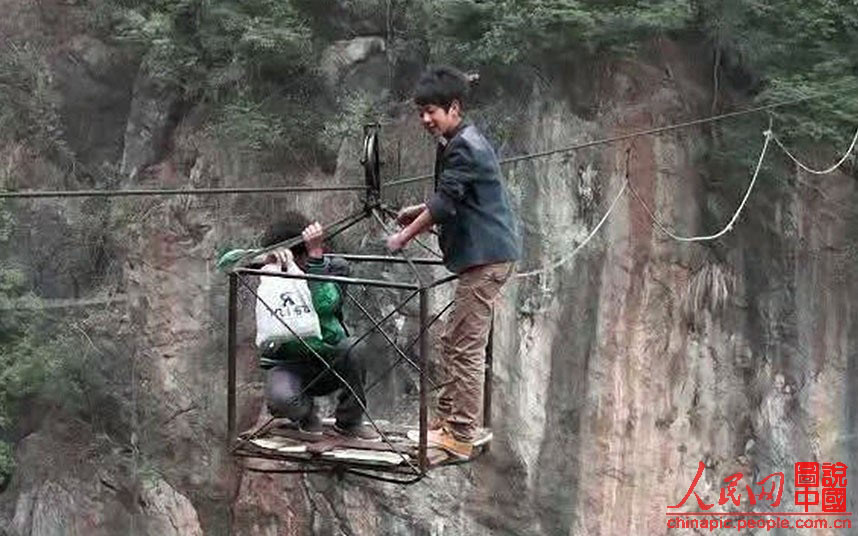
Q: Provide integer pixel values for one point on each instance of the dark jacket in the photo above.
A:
(470, 204)
(328, 303)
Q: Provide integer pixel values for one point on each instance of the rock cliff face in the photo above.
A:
(615, 373)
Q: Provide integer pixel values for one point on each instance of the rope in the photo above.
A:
(819, 171)
(627, 183)
(727, 228)
(178, 191)
(580, 246)
(388, 480)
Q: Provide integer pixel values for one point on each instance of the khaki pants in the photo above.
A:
(465, 337)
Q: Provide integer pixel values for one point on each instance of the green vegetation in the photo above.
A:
(774, 50)
(208, 46)
(28, 104)
(509, 32)
(249, 63)
(42, 361)
(252, 65)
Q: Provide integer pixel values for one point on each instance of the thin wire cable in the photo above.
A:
(342, 380)
(727, 228)
(819, 171)
(388, 480)
(179, 191)
(344, 188)
(622, 137)
(288, 471)
(580, 246)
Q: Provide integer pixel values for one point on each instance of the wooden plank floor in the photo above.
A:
(282, 439)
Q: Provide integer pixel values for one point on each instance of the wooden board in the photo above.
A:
(279, 444)
(364, 456)
(298, 435)
(485, 437)
(327, 444)
(284, 438)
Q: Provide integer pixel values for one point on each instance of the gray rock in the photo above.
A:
(342, 57)
(93, 86)
(151, 120)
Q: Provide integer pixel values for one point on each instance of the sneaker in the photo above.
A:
(445, 439)
(360, 431)
(311, 424)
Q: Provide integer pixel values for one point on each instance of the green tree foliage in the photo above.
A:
(779, 51)
(41, 358)
(7, 463)
(794, 48)
(248, 63)
(27, 103)
(513, 31)
(205, 46)
(772, 50)
(21, 371)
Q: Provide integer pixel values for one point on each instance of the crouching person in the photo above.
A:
(294, 374)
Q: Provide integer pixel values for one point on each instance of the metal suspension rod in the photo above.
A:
(422, 450)
(231, 342)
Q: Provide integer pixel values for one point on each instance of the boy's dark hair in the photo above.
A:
(288, 226)
(441, 85)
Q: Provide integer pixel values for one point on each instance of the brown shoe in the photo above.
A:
(445, 439)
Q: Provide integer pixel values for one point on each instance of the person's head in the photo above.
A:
(288, 226)
(440, 97)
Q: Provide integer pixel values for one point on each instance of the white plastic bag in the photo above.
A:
(291, 301)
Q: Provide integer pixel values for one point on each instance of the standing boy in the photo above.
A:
(479, 241)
